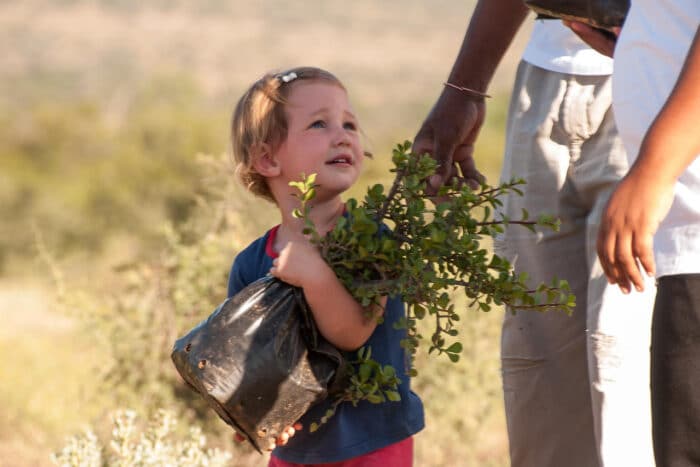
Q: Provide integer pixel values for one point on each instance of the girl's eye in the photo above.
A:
(318, 124)
(350, 126)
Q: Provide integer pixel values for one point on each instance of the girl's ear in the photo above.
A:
(264, 162)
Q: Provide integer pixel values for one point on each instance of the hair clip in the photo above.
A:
(291, 76)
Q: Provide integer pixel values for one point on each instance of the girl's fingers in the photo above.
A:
(288, 433)
(282, 439)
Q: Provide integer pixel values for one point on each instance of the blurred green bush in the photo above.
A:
(82, 173)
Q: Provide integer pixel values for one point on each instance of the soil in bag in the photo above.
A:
(604, 14)
(259, 360)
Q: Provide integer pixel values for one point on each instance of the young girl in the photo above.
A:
(301, 122)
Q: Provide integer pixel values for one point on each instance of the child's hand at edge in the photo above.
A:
(603, 41)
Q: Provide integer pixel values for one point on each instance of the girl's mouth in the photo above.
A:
(340, 160)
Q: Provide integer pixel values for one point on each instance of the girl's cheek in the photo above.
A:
(361, 158)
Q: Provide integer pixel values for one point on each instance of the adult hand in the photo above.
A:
(625, 239)
(448, 134)
(601, 40)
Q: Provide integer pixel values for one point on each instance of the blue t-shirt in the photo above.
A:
(353, 430)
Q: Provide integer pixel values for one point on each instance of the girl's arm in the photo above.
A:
(339, 317)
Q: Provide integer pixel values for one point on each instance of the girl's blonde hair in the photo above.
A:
(259, 119)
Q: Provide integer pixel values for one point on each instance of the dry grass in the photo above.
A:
(39, 387)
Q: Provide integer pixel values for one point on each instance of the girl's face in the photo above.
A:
(322, 138)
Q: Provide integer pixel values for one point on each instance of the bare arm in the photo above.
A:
(491, 31)
(339, 317)
(452, 126)
(644, 196)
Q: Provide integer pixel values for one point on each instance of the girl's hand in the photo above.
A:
(298, 263)
(281, 439)
(287, 433)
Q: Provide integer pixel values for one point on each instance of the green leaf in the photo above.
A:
(364, 372)
(419, 311)
(389, 372)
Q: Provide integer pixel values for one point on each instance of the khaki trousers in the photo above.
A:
(576, 388)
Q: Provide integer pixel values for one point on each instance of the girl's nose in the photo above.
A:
(343, 137)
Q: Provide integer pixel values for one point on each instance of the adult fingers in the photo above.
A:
(604, 254)
(444, 149)
(606, 247)
(635, 256)
(644, 251)
(464, 158)
(627, 271)
(464, 153)
(425, 143)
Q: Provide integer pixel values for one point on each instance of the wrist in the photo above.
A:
(467, 91)
(476, 76)
(648, 170)
(661, 158)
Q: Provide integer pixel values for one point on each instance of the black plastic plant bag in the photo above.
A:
(259, 360)
(603, 14)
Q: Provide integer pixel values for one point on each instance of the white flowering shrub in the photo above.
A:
(80, 451)
(157, 445)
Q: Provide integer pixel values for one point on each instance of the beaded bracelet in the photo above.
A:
(472, 92)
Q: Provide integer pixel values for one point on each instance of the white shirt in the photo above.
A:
(649, 55)
(555, 47)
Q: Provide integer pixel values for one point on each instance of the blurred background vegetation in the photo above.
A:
(120, 216)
